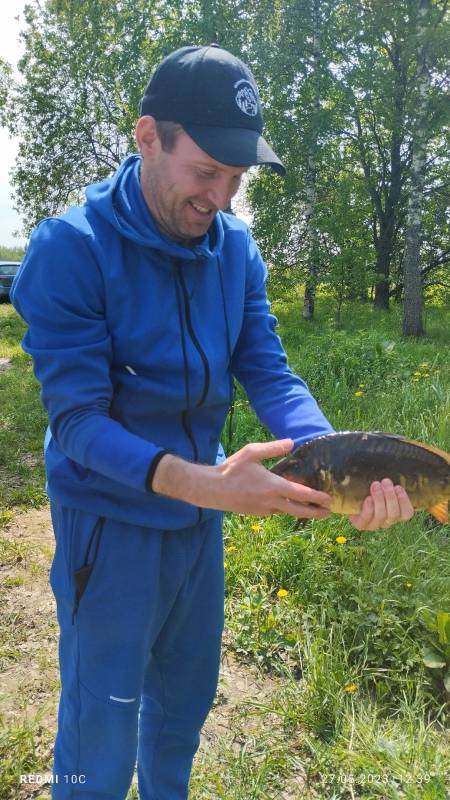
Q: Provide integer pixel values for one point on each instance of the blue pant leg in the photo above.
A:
(105, 648)
(182, 675)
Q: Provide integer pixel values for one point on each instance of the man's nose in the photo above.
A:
(220, 195)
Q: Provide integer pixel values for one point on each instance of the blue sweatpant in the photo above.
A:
(141, 617)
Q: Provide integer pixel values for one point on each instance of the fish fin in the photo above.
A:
(430, 447)
(440, 512)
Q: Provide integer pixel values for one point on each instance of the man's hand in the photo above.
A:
(241, 484)
(386, 505)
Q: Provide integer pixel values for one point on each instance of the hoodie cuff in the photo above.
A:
(152, 468)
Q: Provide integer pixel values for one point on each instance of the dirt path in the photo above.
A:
(29, 643)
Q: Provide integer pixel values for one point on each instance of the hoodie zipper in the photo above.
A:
(186, 415)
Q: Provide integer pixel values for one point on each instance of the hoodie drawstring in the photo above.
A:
(232, 381)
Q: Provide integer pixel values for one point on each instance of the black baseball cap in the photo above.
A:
(214, 97)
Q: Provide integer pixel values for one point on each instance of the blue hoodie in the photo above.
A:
(135, 339)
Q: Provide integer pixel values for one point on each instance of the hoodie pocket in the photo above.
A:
(83, 574)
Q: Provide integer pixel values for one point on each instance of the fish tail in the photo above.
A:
(440, 512)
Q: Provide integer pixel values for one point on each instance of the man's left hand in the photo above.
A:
(386, 505)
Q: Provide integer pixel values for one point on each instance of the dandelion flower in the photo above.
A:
(359, 393)
(225, 564)
(255, 528)
(341, 539)
(351, 687)
(426, 375)
(282, 593)
(408, 584)
(362, 385)
(417, 374)
(424, 365)
(230, 548)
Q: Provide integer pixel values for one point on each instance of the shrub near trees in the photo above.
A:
(356, 103)
(11, 253)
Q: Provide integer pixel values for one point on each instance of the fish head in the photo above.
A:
(305, 468)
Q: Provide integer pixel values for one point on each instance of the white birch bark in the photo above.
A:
(310, 189)
(412, 307)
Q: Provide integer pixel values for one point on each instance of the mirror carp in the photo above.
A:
(345, 463)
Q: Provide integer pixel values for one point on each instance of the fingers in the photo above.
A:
(301, 501)
(299, 493)
(258, 451)
(301, 511)
(406, 508)
(386, 505)
(363, 520)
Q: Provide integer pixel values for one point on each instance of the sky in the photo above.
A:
(10, 50)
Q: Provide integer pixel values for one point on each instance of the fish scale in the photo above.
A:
(345, 463)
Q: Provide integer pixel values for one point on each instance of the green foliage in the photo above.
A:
(11, 253)
(360, 142)
(338, 85)
(84, 71)
(23, 420)
(360, 640)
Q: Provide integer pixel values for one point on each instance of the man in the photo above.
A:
(141, 305)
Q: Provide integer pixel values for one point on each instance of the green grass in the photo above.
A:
(357, 637)
(362, 621)
(22, 421)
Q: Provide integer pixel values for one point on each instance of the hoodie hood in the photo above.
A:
(119, 199)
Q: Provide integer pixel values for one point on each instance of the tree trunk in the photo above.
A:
(413, 302)
(385, 194)
(312, 238)
(383, 263)
(311, 280)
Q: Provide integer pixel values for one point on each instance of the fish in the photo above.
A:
(345, 463)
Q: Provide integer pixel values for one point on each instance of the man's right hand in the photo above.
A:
(241, 484)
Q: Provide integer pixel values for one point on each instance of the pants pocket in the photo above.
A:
(82, 575)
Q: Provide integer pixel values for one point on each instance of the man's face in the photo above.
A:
(184, 189)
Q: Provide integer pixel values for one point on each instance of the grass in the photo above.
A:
(361, 621)
(22, 421)
(360, 633)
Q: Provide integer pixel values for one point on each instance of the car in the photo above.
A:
(8, 270)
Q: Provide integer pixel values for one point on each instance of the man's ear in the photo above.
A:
(146, 135)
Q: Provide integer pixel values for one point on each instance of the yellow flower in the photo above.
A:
(255, 528)
(424, 365)
(416, 379)
(408, 584)
(359, 393)
(351, 687)
(341, 539)
(417, 374)
(282, 593)
(225, 564)
(230, 548)
(361, 385)
(426, 375)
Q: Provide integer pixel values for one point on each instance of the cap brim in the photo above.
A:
(237, 147)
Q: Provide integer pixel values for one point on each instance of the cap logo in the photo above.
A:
(246, 98)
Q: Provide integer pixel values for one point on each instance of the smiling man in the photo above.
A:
(183, 188)
(142, 305)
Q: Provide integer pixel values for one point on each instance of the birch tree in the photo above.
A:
(413, 299)
(311, 171)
